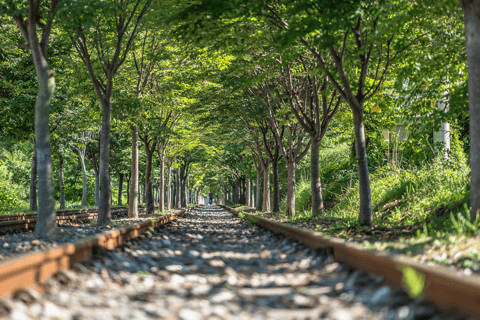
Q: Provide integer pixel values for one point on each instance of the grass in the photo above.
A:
(419, 209)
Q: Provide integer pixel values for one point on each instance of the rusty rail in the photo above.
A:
(31, 270)
(10, 223)
(23, 216)
(449, 291)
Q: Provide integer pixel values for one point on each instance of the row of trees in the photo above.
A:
(232, 89)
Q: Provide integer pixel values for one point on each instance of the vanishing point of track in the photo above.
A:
(207, 265)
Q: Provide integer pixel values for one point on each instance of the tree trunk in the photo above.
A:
(128, 189)
(97, 188)
(316, 185)
(46, 223)
(252, 194)
(178, 191)
(133, 188)
(161, 188)
(249, 198)
(148, 182)
(365, 214)
(33, 180)
(104, 214)
(234, 194)
(84, 184)
(120, 188)
(61, 181)
(471, 13)
(290, 208)
(169, 186)
(258, 205)
(183, 180)
(276, 185)
(266, 187)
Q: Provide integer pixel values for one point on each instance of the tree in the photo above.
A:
(111, 34)
(471, 12)
(46, 222)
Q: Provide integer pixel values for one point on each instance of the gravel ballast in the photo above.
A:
(210, 265)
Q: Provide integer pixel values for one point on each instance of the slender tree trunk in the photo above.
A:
(252, 194)
(290, 208)
(258, 205)
(179, 187)
(365, 215)
(128, 190)
(471, 13)
(104, 214)
(46, 222)
(84, 184)
(120, 188)
(276, 185)
(266, 187)
(234, 194)
(316, 185)
(148, 183)
(33, 179)
(183, 180)
(133, 187)
(174, 188)
(169, 186)
(61, 181)
(161, 188)
(97, 188)
(249, 198)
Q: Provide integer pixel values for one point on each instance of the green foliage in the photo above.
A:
(303, 197)
(461, 222)
(11, 193)
(414, 282)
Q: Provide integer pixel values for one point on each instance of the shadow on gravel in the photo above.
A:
(210, 254)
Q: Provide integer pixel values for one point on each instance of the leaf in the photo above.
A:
(413, 282)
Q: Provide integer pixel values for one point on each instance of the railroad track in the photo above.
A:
(449, 291)
(30, 271)
(206, 265)
(22, 222)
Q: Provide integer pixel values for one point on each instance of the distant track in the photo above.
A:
(24, 222)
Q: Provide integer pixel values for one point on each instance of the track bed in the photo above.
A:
(210, 265)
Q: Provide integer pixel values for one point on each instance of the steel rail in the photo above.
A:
(10, 223)
(22, 216)
(449, 291)
(30, 271)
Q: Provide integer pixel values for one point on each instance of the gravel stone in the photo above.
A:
(207, 264)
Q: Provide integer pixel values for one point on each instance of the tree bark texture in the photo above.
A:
(61, 181)
(316, 185)
(258, 205)
(290, 207)
(46, 223)
(169, 186)
(84, 182)
(133, 188)
(120, 189)
(178, 191)
(183, 183)
(148, 182)
(161, 188)
(276, 185)
(471, 13)
(104, 213)
(249, 198)
(266, 186)
(365, 215)
(33, 180)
